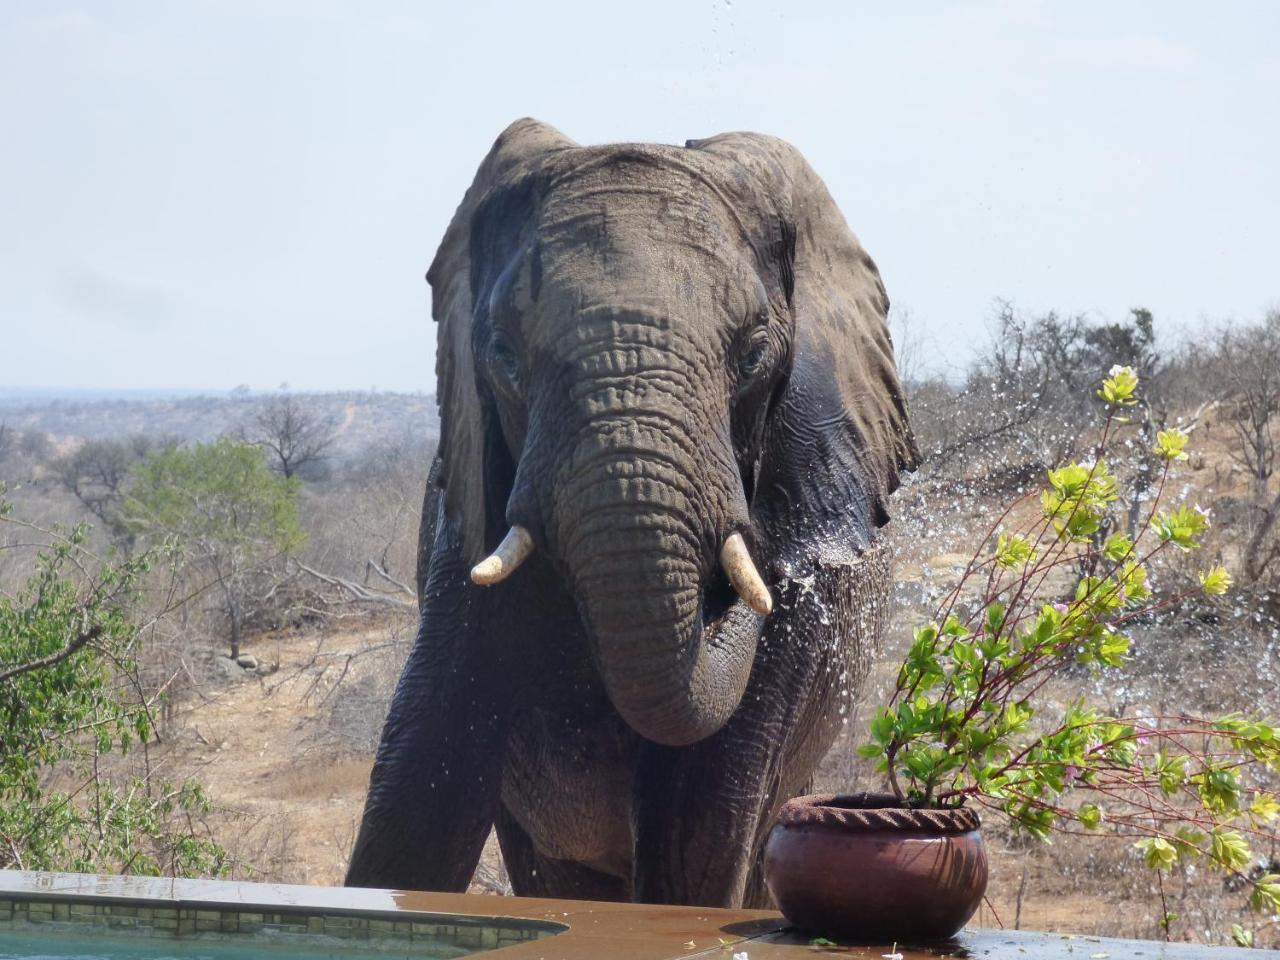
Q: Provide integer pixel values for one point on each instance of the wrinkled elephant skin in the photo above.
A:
(670, 412)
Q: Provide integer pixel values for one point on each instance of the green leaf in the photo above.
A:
(1077, 499)
(1215, 581)
(1117, 547)
(1219, 788)
(1229, 849)
(1171, 444)
(1133, 579)
(1182, 527)
(919, 763)
(1171, 772)
(1157, 852)
(1266, 894)
(995, 618)
(1014, 550)
(1016, 716)
(1265, 807)
(882, 725)
(1037, 821)
(1120, 387)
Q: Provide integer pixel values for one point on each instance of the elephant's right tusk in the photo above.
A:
(743, 575)
(511, 552)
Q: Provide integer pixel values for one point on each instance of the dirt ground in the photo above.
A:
(288, 797)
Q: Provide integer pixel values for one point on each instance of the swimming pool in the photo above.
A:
(62, 916)
(69, 915)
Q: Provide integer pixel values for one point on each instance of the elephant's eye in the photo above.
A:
(754, 353)
(506, 360)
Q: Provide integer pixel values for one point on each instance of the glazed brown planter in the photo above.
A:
(863, 866)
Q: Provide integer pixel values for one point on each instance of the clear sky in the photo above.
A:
(206, 193)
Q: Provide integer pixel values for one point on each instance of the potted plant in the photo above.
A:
(969, 724)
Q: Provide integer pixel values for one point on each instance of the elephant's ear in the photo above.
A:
(467, 427)
(838, 436)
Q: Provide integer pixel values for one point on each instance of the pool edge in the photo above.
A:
(567, 929)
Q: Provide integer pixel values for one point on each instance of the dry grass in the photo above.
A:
(288, 780)
(289, 791)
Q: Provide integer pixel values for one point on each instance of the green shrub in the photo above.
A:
(228, 514)
(969, 720)
(70, 696)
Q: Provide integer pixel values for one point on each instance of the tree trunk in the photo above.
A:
(1258, 554)
(235, 632)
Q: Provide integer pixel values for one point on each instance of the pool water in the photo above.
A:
(62, 946)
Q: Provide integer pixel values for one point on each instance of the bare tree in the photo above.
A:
(363, 523)
(36, 445)
(294, 436)
(909, 348)
(1262, 550)
(1028, 398)
(1248, 367)
(1019, 404)
(95, 473)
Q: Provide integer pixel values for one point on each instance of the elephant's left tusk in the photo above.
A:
(743, 575)
(511, 552)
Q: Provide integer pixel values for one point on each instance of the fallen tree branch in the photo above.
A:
(357, 592)
(381, 571)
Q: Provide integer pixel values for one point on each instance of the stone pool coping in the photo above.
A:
(595, 931)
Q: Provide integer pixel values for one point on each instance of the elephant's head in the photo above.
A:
(656, 364)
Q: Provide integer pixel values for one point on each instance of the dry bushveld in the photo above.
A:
(283, 739)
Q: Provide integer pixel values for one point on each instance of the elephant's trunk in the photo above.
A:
(673, 644)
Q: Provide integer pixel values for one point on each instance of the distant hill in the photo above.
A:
(16, 396)
(361, 418)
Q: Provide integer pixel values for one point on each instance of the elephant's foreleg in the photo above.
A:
(434, 789)
(698, 814)
(702, 812)
(533, 875)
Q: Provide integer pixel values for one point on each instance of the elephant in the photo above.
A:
(651, 572)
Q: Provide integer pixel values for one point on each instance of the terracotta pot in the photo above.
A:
(863, 866)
